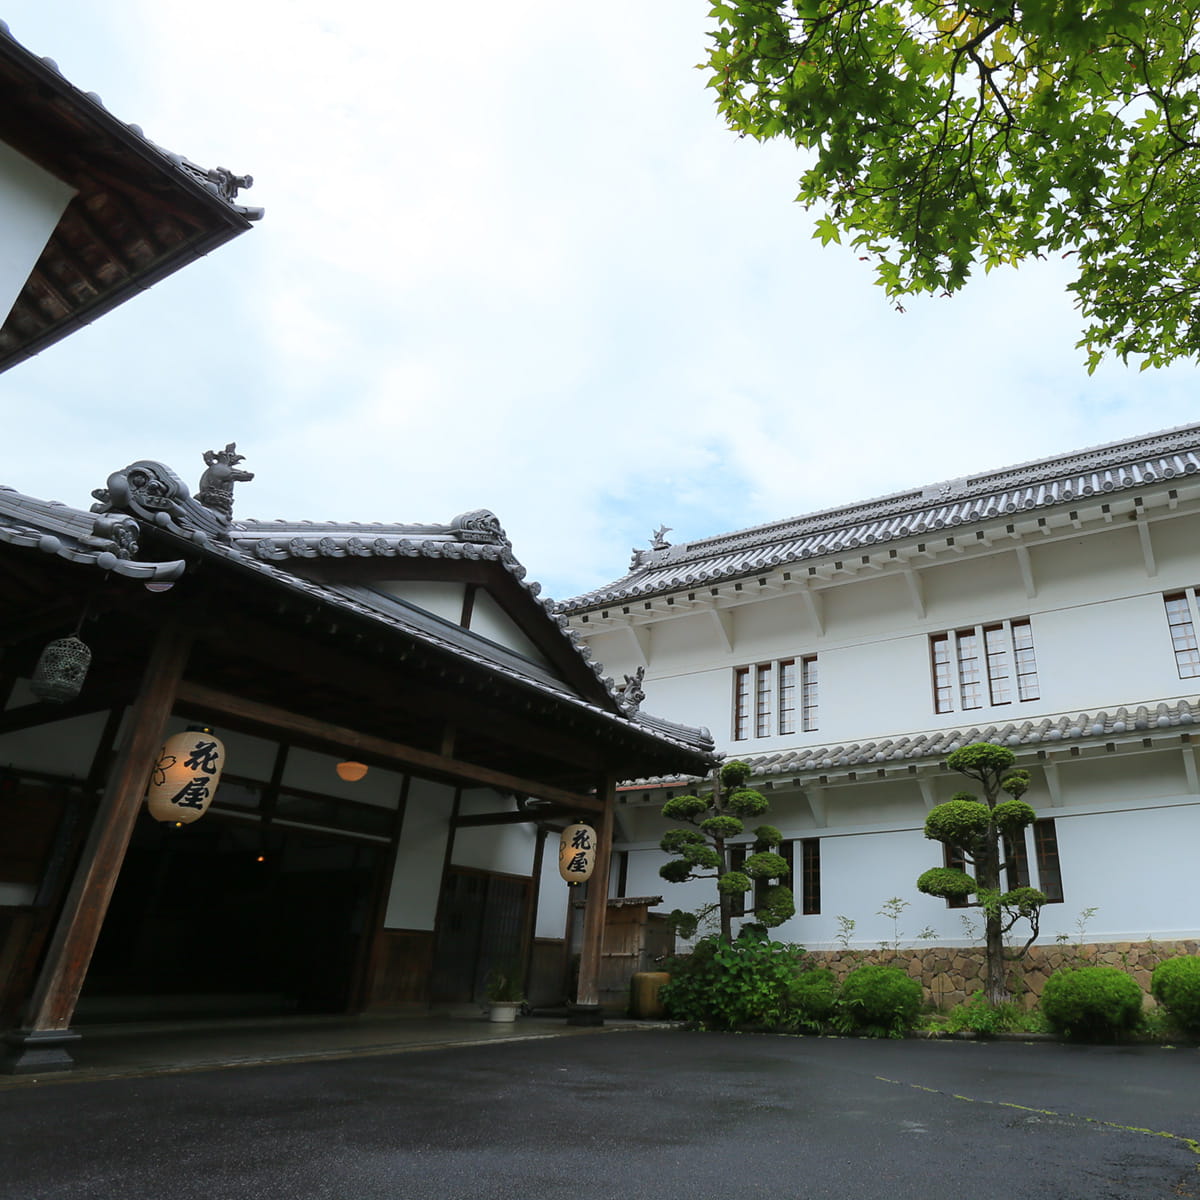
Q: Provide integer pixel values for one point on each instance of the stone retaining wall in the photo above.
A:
(951, 975)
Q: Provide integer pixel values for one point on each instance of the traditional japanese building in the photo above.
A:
(1050, 607)
(404, 720)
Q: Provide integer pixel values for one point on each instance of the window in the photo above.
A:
(808, 693)
(741, 704)
(810, 876)
(765, 698)
(1045, 848)
(1181, 622)
(955, 860)
(1016, 857)
(762, 701)
(987, 664)
(737, 860)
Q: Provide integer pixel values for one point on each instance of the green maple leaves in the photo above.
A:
(942, 137)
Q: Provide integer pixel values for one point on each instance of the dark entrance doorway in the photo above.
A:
(481, 925)
(232, 918)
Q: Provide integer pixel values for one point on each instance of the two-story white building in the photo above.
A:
(1050, 607)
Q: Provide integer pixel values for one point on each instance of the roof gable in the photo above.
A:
(138, 212)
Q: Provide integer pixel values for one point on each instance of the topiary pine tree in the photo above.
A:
(702, 852)
(977, 829)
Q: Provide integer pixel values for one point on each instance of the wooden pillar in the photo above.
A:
(587, 1010)
(40, 1044)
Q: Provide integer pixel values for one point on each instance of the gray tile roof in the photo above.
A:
(110, 539)
(1070, 478)
(106, 542)
(1047, 733)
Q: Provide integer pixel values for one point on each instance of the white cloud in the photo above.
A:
(512, 260)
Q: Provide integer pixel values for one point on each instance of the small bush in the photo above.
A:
(730, 985)
(1091, 1003)
(812, 999)
(1175, 984)
(978, 1016)
(878, 1001)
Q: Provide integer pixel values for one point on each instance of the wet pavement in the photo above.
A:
(624, 1112)
(169, 1047)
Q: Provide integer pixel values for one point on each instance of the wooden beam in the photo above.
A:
(513, 818)
(340, 738)
(816, 804)
(1143, 529)
(723, 626)
(639, 642)
(588, 996)
(70, 952)
(814, 607)
(916, 593)
(1026, 565)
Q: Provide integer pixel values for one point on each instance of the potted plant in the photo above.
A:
(504, 994)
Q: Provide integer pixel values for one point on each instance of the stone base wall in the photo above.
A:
(952, 975)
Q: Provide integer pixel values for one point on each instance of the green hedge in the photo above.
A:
(1175, 984)
(1092, 1003)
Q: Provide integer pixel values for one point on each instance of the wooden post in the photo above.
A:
(40, 1044)
(587, 1010)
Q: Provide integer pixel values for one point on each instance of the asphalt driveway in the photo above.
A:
(666, 1115)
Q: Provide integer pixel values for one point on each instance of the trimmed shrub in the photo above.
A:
(730, 985)
(812, 998)
(878, 1001)
(1091, 1003)
(978, 1016)
(1175, 984)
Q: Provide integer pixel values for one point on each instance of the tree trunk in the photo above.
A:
(987, 875)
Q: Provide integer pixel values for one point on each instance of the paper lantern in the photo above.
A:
(577, 853)
(351, 772)
(185, 777)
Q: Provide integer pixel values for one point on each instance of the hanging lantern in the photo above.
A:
(577, 853)
(351, 772)
(185, 777)
(61, 670)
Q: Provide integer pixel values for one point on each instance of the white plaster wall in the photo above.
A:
(313, 772)
(552, 895)
(442, 598)
(64, 748)
(506, 849)
(1138, 868)
(489, 620)
(417, 876)
(32, 200)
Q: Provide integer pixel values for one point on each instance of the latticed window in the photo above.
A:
(741, 704)
(767, 697)
(810, 876)
(787, 696)
(808, 693)
(1045, 849)
(987, 664)
(762, 700)
(1181, 622)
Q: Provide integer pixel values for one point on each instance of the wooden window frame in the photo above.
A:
(1183, 633)
(984, 666)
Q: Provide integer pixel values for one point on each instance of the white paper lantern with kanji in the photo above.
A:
(577, 853)
(185, 776)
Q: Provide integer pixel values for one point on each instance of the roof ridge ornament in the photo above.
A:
(221, 473)
(153, 492)
(480, 525)
(658, 545)
(630, 694)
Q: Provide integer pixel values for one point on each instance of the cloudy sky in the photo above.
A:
(511, 259)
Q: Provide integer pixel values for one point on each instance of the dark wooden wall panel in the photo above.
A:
(403, 964)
